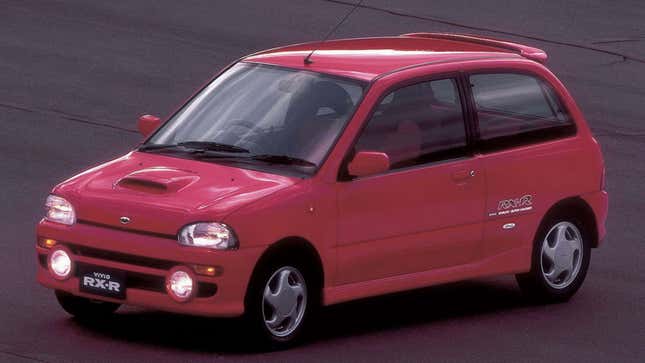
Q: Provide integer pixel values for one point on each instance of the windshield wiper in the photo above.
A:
(265, 158)
(196, 146)
(281, 159)
(213, 150)
(157, 147)
(213, 146)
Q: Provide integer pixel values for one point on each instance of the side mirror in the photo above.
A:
(147, 124)
(368, 163)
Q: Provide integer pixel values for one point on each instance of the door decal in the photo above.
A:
(513, 205)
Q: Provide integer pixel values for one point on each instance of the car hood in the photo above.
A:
(160, 194)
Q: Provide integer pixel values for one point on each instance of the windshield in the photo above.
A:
(262, 114)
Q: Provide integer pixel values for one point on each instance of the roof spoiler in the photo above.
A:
(525, 51)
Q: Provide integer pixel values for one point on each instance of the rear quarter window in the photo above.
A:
(515, 109)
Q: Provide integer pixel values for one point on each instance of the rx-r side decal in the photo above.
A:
(513, 205)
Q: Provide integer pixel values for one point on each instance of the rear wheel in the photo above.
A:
(280, 303)
(83, 308)
(560, 260)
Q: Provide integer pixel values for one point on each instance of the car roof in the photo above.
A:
(368, 58)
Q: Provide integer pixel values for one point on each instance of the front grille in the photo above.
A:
(125, 229)
(122, 257)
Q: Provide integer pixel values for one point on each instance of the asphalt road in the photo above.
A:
(75, 75)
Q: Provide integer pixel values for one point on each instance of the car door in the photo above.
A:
(529, 164)
(426, 211)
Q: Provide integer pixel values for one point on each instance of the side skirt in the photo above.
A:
(513, 261)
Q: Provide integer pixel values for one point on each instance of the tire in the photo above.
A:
(83, 308)
(280, 303)
(553, 278)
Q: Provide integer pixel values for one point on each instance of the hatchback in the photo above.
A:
(318, 173)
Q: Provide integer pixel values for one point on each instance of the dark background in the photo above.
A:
(75, 75)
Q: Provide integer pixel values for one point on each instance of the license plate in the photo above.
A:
(102, 281)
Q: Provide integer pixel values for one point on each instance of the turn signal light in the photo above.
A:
(207, 270)
(47, 242)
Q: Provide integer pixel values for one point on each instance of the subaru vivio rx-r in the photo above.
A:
(295, 180)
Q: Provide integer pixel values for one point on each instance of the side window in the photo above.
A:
(444, 92)
(516, 109)
(413, 126)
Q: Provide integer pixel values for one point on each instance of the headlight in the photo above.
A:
(212, 235)
(59, 210)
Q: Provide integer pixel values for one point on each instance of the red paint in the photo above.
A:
(147, 124)
(380, 233)
(368, 163)
(535, 54)
(368, 58)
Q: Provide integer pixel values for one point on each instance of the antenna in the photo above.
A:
(307, 59)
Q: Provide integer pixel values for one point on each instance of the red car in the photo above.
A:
(318, 173)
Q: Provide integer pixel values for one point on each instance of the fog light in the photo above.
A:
(180, 284)
(60, 264)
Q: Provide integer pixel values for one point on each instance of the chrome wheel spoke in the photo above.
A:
(561, 235)
(298, 290)
(554, 273)
(293, 314)
(274, 322)
(270, 298)
(549, 252)
(568, 265)
(283, 281)
(574, 244)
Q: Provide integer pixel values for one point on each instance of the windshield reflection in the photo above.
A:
(279, 115)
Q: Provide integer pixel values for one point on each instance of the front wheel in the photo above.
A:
(280, 303)
(560, 260)
(83, 308)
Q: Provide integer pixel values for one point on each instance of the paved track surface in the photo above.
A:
(75, 75)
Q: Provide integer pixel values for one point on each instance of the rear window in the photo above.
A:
(516, 109)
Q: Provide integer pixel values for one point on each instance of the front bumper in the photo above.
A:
(146, 260)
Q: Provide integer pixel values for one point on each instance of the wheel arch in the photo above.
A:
(290, 247)
(581, 209)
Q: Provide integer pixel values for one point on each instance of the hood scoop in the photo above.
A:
(157, 180)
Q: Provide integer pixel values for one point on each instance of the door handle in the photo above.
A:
(463, 175)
